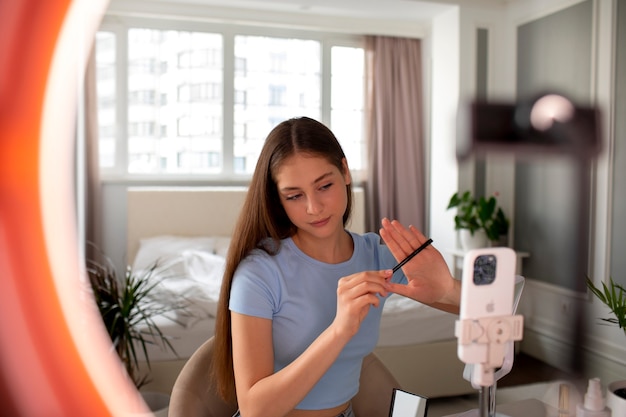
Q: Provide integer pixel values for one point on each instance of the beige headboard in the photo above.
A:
(195, 211)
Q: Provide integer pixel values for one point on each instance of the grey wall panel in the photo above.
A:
(553, 54)
(618, 237)
(482, 74)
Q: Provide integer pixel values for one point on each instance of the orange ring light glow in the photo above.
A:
(55, 358)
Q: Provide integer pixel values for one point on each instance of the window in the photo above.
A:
(142, 97)
(202, 101)
(347, 117)
(107, 98)
(200, 58)
(200, 92)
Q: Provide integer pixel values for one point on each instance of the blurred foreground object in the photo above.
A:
(550, 123)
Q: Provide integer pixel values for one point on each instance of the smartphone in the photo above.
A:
(487, 290)
(487, 283)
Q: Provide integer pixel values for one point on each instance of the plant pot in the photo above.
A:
(503, 240)
(158, 403)
(475, 241)
(616, 398)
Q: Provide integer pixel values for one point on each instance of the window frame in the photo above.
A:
(119, 26)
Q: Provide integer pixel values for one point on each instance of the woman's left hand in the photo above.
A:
(429, 278)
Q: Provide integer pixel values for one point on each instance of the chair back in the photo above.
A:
(194, 393)
(375, 389)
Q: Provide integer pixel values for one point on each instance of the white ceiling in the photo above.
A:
(383, 9)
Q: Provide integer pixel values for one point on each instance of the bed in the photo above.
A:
(188, 229)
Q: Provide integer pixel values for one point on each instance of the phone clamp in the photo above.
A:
(485, 341)
(488, 344)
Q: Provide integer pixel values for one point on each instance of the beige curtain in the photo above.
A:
(395, 185)
(91, 170)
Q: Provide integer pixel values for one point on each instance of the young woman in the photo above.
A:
(302, 298)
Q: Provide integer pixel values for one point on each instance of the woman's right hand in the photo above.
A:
(429, 278)
(355, 294)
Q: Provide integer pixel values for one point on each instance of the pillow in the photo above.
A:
(187, 271)
(206, 270)
(192, 279)
(163, 248)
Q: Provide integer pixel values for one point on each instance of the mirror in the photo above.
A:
(406, 404)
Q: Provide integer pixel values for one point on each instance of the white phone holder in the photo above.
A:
(487, 342)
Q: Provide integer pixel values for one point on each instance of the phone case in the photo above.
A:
(488, 283)
(487, 290)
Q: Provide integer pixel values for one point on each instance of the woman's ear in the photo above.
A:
(346, 171)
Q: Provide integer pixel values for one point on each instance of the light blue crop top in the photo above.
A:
(299, 295)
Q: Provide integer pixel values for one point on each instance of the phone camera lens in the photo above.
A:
(484, 269)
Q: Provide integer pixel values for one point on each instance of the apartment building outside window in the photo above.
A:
(196, 103)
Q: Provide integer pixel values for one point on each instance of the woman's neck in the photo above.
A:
(333, 250)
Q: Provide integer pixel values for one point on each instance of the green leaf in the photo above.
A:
(614, 297)
(454, 201)
(127, 308)
(475, 214)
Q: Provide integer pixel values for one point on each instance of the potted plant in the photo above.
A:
(478, 217)
(128, 306)
(614, 297)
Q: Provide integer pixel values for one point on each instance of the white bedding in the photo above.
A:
(407, 322)
(193, 268)
(188, 269)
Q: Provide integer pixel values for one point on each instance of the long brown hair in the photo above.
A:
(262, 217)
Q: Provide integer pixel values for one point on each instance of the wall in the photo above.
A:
(618, 221)
(465, 41)
(480, 25)
(549, 307)
(445, 97)
(553, 54)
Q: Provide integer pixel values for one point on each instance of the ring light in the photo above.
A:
(55, 356)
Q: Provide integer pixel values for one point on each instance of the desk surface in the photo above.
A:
(523, 408)
(536, 400)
